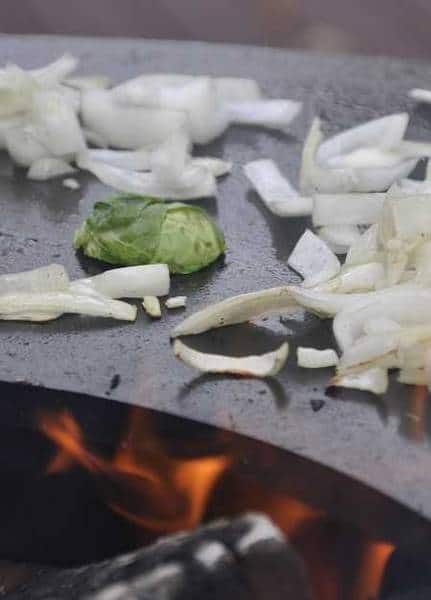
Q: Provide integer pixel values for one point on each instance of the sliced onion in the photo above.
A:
(52, 278)
(92, 82)
(381, 326)
(405, 306)
(420, 95)
(151, 306)
(16, 91)
(71, 183)
(133, 160)
(237, 89)
(367, 349)
(405, 187)
(237, 309)
(311, 358)
(373, 380)
(359, 278)
(56, 125)
(64, 302)
(320, 179)
(275, 190)
(339, 237)
(94, 139)
(383, 132)
(365, 249)
(129, 127)
(128, 282)
(274, 114)
(216, 166)
(7, 124)
(413, 376)
(265, 365)
(56, 71)
(23, 146)
(176, 302)
(409, 217)
(48, 168)
(365, 158)
(347, 209)
(195, 182)
(313, 259)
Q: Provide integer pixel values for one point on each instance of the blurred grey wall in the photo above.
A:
(394, 27)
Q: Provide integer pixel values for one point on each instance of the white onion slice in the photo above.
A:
(381, 326)
(195, 182)
(339, 237)
(311, 358)
(7, 124)
(64, 302)
(22, 145)
(275, 190)
(216, 166)
(133, 160)
(347, 209)
(409, 217)
(92, 82)
(265, 365)
(383, 132)
(237, 309)
(420, 95)
(367, 349)
(321, 179)
(71, 183)
(237, 89)
(128, 282)
(56, 125)
(128, 127)
(313, 260)
(413, 377)
(365, 249)
(94, 139)
(176, 302)
(405, 306)
(366, 158)
(56, 71)
(274, 114)
(48, 168)
(16, 91)
(151, 306)
(52, 278)
(411, 187)
(373, 380)
(358, 278)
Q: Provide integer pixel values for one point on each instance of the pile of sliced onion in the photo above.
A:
(46, 293)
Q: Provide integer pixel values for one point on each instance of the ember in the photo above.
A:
(161, 492)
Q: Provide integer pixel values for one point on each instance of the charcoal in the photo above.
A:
(246, 558)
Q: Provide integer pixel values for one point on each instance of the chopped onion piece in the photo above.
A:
(384, 132)
(23, 146)
(339, 237)
(48, 168)
(129, 127)
(95, 139)
(381, 326)
(128, 282)
(133, 160)
(237, 89)
(358, 278)
(411, 187)
(274, 114)
(409, 217)
(311, 358)
(373, 380)
(52, 278)
(151, 306)
(56, 71)
(365, 158)
(365, 249)
(176, 302)
(71, 183)
(347, 209)
(92, 82)
(313, 259)
(405, 306)
(265, 365)
(275, 190)
(420, 95)
(322, 179)
(216, 166)
(64, 302)
(194, 182)
(367, 349)
(237, 309)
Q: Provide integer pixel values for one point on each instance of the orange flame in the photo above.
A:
(370, 576)
(144, 484)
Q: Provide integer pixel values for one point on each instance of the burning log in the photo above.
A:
(246, 558)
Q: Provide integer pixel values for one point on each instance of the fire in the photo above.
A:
(142, 482)
(370, 577)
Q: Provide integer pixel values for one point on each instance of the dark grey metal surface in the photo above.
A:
(383, 442)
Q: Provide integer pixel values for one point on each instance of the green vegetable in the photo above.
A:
(134, 230)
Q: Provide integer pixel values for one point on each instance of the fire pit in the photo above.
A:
(91, 469)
